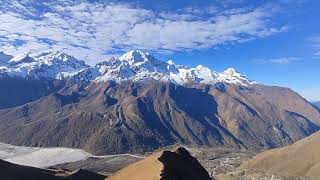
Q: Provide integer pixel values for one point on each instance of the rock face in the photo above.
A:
(300, 160)
(137, 103)
(164, 165)
(181, 165)
(11, 171)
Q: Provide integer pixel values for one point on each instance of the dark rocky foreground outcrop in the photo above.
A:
(164, 165)
(181, 165)
(138, 117)
(9, 171)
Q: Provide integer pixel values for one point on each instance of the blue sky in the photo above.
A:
(272, 42)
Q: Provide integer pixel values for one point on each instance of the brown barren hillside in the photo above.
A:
(110, 118)
(149, 168)
(300, 160)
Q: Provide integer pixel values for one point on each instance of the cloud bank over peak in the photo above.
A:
(92, 30)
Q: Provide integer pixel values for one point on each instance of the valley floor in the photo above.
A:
(220, 163)
(215, 160)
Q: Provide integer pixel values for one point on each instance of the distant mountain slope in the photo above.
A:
(137, 103)
(164, 165)
(296, 161)
(19, 91)
(317, 104)
(9, 171)
(117, 118)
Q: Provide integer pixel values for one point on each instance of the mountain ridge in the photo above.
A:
(137, 117)
(139, 104)
(134, 65)
(54, 65)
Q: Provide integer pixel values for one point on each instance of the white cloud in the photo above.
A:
(280, 61)
(91, 30)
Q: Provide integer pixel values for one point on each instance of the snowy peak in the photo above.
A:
(231, 76)
(58, 57)
(139, 58)
(135, 56)
(170, 62)
(202, 68)
(61, 56)
(134, 65)
(54, 65)
(21, 58)
(233, 73)
(230, 72)
(138, 66)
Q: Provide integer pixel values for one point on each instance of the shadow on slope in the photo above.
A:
(9, 171)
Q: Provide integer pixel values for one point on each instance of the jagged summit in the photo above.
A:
(21, 58)
(137, 65)
(170, 62)
(134, 65)
(53, 65)
(230, 71)
(136, 56)
(230, 75)
(49, 57)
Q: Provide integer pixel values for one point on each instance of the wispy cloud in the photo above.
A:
(311, 94)
(315, 44)
(317, 54)
(92, 30)
(280, 61)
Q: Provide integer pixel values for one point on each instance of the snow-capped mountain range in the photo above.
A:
(134, 65)
(56, 65)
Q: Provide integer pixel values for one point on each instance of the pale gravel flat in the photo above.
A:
(46, 157)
